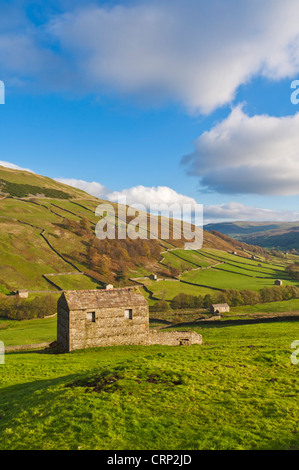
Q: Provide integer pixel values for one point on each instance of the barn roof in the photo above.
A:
(102, 298)
(220, 305)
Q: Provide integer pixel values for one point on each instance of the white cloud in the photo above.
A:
(137, 195)
(249, 155)
(93, 188)
(150, 195)
(26, 57)
(236, 211)
(160, 200)
(147, 196)
(14, 167)
(197, 54)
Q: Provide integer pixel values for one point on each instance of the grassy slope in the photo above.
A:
(25, 255)
(235, 272)
(168, 289)
(25, 177)
(238, 391)
(185, 259)
(74, 282)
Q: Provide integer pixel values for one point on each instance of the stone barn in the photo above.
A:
(278, 282)
(22, 293)
(109, 286)
(94, 318)
(219, 308)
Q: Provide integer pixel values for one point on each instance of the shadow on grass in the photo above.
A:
(30, 405)
(158, 320)
(11, 395)
(224, 323)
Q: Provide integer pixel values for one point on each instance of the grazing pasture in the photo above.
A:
(237, 391)
(209, 271)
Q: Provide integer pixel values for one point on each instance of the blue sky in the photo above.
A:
(156, 98)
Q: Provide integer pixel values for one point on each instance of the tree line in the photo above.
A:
(24, 190)
(113, 260)
(15, 308)
(233, 297)
(293, 270)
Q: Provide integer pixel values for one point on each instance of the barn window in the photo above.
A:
(91, 316)
(129, 313)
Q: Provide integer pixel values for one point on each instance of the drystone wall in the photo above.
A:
(174, 338)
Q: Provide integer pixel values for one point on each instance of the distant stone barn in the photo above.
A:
(278, 282)
(219, 308)
(22, 293)
(94, 318)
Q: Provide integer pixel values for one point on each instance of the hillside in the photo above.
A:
(48, 242)
(278, 235)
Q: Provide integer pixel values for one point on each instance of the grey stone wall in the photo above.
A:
(174, 338)
(109, 328)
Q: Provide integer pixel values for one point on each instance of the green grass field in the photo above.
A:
(184, 259)
(14, 333)
(73, 282)
(237, 391)
(230, 279)
(226, 271)
(220, 255)
(269, 307)
(169, 289)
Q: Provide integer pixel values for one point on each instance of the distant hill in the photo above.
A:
(19, 183)
(47, 239)
(278, 235)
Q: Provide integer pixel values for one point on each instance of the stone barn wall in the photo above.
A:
(63, 338)
(109, 327)
(174, 338)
